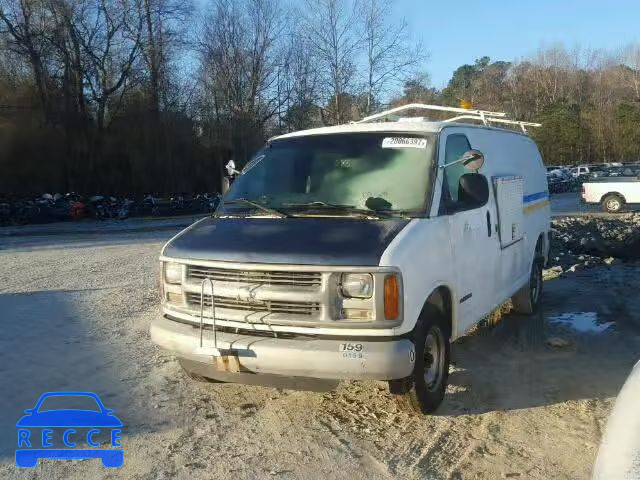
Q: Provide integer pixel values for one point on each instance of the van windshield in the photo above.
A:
(377, 172)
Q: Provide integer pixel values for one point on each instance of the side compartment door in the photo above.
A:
(515, 259)
(474, 241)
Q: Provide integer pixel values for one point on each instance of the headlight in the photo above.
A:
(356, 285)
(172, 272)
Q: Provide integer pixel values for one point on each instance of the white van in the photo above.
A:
(359, 252)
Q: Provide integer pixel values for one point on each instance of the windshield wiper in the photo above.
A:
(338, 207)
(395, 213)
(264, 208)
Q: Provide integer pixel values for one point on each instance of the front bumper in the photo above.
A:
(326, 358)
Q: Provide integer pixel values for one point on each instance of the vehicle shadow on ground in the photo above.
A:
(47, 344)
(510, 367)
(61, 242)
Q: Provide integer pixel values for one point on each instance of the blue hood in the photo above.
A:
(300, 241)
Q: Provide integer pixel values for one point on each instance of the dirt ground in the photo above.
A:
(75, 313)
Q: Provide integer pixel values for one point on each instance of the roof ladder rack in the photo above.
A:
(486, 117)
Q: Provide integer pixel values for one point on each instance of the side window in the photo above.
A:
(456, 145)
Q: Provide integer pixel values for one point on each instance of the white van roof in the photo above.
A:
(400, 126)
(378, 123)
(418, 127)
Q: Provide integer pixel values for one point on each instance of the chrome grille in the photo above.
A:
(268, 306)
(299, 279)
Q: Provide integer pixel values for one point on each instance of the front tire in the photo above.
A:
(423, 391)
(612, 203)
(527, 299)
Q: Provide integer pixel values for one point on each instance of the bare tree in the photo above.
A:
(27, 24)
(631, 59)
(553, 78)
(300, 88)
(164, 33)
(329, 28)
(242, 63)
(110, 35)
(65, 42)
(391, 56)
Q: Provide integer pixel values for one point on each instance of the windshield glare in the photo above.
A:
(376, 171)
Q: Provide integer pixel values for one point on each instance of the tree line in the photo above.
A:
(587, 101)
(133, 96)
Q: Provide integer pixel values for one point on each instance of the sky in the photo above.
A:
(456, 32)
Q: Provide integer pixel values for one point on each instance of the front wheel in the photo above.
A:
(423, 391)
(527, 299)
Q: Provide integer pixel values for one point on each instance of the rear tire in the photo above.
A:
(612, 203)
(527, 299)
(423, 391)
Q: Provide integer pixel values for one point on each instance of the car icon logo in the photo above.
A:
(80, 425)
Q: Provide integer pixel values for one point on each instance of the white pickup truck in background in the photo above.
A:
(612, 193)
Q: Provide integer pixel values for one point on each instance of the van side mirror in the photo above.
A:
(473, 160)
(473, 190)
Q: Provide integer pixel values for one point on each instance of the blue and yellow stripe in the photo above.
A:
(535, 201)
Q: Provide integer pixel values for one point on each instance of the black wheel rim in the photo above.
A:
(434, 358)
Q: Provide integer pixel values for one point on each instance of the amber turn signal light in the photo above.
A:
(391, 297)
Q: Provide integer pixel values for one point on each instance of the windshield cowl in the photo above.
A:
(252, 209)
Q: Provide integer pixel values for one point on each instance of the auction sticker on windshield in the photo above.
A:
(404, 142)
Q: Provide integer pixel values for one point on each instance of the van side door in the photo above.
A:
(474, 242)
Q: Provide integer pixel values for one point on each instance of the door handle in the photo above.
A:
(467, 227)
(488, 223)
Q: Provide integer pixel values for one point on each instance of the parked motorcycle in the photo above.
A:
(125, 208)
(5, 211)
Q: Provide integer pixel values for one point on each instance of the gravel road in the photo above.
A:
(75, 312)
